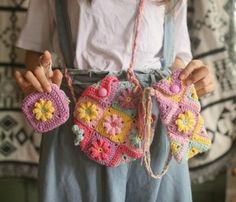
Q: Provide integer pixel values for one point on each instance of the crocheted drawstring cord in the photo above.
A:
(147, 133)
(145, 112)
(130, 72)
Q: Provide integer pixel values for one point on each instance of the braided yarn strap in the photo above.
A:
(130, 72)
(146, 130)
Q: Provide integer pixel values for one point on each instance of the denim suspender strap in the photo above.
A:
(65, 40)
(64, 32)
(169, 33)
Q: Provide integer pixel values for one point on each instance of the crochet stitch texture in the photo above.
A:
(106, 122)
(46, 111)
(180, 112)
(113, 131)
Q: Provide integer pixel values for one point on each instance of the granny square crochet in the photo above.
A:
(88, 111)
(126, 100)
(115, 125)
(105, 122)
(104, 91)
(46, 111)
(101, 149)
(180, 112)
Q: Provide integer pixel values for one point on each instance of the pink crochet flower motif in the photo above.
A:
(113, 124)
(127, 99)
(100, 150)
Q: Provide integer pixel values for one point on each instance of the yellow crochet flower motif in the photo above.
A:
(87, 111)
(43, 110)
(194, 94)
(169, 80)
(185, 122)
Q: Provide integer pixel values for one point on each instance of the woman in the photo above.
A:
(102, 35)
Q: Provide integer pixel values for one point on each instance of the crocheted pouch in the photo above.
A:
(105, 119)
(180, 112)
(46, 111)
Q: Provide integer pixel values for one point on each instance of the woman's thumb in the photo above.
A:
(46, 61)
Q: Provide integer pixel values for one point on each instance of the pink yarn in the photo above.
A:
(128, 99)
(110, 122)
(99, 150)
(60, 103)
(113, 124)
(174, 98)
(108, 84)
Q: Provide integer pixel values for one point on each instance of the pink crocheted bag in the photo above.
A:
(180, 112)
(46, 111)
(105, 119)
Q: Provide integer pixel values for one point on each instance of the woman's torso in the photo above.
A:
(103, 34)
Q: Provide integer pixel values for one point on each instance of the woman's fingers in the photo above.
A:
(22, 83)
(29, 81)
(30, 77)
(46, 61)
(20, 80)
(25, 85)
(197, 75)
(57, 77)
(203, 83)
(46, 58)
(194, 64)
(207, 89)
(39, 78)
(42, 79)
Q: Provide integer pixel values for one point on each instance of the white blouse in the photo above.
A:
(103, 32)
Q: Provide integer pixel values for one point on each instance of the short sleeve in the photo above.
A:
(182, 41)
(38, 30)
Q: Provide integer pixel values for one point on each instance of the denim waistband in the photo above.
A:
(81, 79)
(90, 76)
(91, 73)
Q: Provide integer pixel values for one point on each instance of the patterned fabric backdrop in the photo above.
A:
(19, 146)
(212, 28)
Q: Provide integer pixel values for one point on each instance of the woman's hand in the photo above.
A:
(198, 74)
(39, 75)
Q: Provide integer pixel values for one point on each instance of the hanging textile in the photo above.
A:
(209, 25)
(19, 146)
